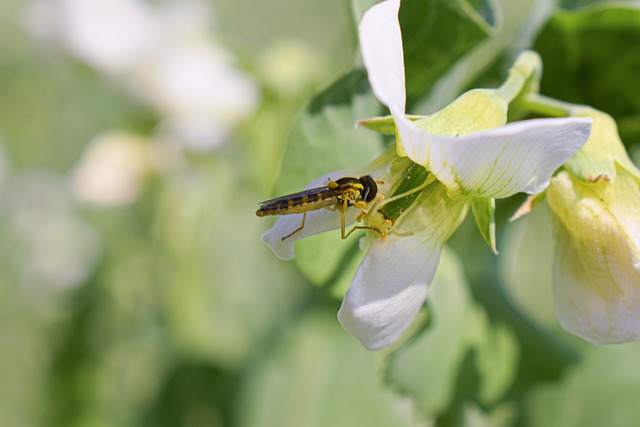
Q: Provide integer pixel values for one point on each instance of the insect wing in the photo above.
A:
(303, 201)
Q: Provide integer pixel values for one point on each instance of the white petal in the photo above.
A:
(381, 45)
(602, 309)
(518, 157)
(597, 257)
(317, 221)
(389, 288)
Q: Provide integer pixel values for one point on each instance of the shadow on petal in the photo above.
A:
(388, 289)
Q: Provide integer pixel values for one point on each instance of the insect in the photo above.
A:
(334, 195)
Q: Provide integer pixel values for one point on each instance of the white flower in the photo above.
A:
(193, 83)
(392, 281)
(594, 206)
(112, 170)
(519, 157)
(597, 257)
(110, 35)
(164, 54)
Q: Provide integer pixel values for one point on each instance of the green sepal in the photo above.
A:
(473, 111)
(412, 176)
(597, 160)
(524, 79)
(531, 202)
(384, 125)
(484, 212)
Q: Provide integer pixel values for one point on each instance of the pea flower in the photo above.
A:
(468, 156)
(594, 206)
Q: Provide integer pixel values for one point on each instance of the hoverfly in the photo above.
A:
(334, 195)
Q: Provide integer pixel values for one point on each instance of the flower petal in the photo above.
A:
(388, 289)
(596, 273)
(317, 222)
(381, 45)
(392, 281)
(497, 163)
(519, 157)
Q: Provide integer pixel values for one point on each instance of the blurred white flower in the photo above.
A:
(109, 35)
(290, 65)
(164, 53)
(112, 169)
(50, 246)
(192, 83)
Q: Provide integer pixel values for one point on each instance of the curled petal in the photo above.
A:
(497, 163)
(389, 288)
(518, 157)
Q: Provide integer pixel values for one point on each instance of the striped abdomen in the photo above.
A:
(297, 203)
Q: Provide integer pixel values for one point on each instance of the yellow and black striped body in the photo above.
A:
(339, 194)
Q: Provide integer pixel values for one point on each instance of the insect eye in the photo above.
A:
(370, 188)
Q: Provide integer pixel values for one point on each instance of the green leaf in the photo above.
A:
(317, 260)
(435, 34)
(484, 212)
(497, 355)
(426, 368)
(602, 390)
(217, 310)
(480, 11)
(577, 4)
(525, 266)
(319, 376)
(384, 125)
(591, 57)
(439, 360)
(515, 23)
(323, 140)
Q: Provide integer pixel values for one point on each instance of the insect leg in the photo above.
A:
(343, 209)
(304, 218)
(383, 234)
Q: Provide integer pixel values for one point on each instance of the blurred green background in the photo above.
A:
(136, 139)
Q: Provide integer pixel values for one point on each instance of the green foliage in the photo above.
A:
(170, 311)
(326, 131)
(590, 57)
(458, 354)
(435, 34)
(484, 213)
(600, 390)
(317, 375)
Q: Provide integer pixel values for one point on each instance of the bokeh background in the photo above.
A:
(136, 139)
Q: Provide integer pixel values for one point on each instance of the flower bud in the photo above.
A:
(596, 270)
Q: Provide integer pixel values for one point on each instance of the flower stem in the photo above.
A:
(546, 106)
(524, 75)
